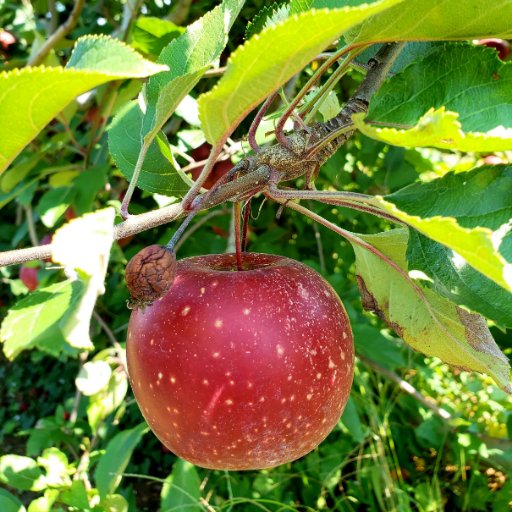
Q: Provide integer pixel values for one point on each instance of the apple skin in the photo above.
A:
(242, 369)
(28, 276)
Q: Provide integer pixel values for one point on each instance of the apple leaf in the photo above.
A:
(37, 320)
(426, 321)
(439, 129)
(439, 20)
(187, 57)
(110, 468)
(9, 502)
(31, 97)
(468, 212)
(264, 63)
(461, 87)
(182, 488)
(450, 275)
(21, 473)
(83, 247)
(159, 174)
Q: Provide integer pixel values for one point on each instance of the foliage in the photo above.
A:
(432, 154)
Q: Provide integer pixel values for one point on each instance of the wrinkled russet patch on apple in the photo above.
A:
(150, 274)
(370, 304)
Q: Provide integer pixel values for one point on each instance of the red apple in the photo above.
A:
(502, 46)
(242, 369)
(28, 276)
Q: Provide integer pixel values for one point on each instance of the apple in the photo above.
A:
(500, 45)
(28, 276)
(242, 369)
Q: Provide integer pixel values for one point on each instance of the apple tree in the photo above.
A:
(367, 143)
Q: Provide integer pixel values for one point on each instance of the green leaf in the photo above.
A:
(9, 502)
(159, 174)
(188, 57)
(21, 473)
(57, 468)
(269, 14)
(37, 319)
(150, 35)
(76, 496)
(54, 203)
(467, 80)
(450, 276)
(31, 97)
(181, 490)
(442, 19)
(83, 246)
(93, 377)
(109, 471)
(368, 341)
(264, 63)
(468, 212)
(426, 321)
(439, 129)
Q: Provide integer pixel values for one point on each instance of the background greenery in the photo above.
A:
(416, 434)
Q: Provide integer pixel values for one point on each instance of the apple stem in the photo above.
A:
(245, 225)
(237, 210)
(177, 235)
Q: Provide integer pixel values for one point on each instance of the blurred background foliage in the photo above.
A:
(416, 435)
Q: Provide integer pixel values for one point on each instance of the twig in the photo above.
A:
(192, 229)
(58, 35)
(31, 226)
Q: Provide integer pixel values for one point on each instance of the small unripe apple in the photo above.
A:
(242, 369)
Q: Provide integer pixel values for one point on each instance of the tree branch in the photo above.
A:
(249, 183)
(56, 37)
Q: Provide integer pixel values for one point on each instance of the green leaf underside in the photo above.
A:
(439, 129)
(428, 322)
(109, 471)
(84, 246)
(263, 63)
(454, 279)
(439, 20)
(468, 212)
(158, 173)
(37, 319)
(31, 97)
(469, 80)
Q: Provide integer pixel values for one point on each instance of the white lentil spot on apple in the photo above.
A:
(152, 341)
(246, 311)
(201, 291)
(344, 335)
(231, 382)
(292, 398)
(168, 409)
(203, 433)
(289, 424)
(262, 399)
(205, 382)
(342, 355)
(216, 355)
(218, 323)
(309, 396)
(279, 350)
(331, 363)
(185, 311)
(175, 411)
(318, 375)
(160, 375)
(228, 402)
(215, 284)
(289, 377)
(173, 379)
(250, 385)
